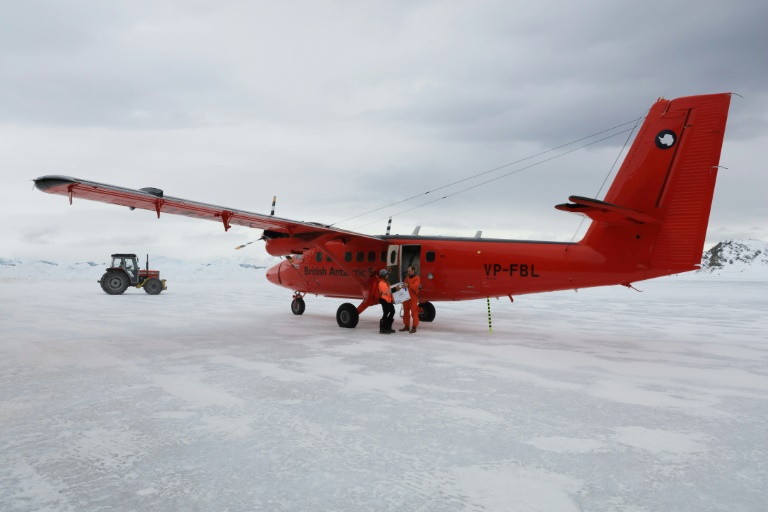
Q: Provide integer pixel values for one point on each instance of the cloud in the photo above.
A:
(339, 108)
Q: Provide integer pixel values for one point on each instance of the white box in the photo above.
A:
(401, 295)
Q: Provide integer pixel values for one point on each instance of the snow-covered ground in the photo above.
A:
(213, 396)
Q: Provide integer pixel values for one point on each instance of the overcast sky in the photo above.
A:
(339, 108)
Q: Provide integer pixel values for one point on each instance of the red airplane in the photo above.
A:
(652, 223)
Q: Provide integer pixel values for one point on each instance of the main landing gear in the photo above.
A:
(426, 312)
(347, 315)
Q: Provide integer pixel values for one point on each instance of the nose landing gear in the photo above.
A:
(297, 304)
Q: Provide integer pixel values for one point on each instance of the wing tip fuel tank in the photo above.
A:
(52, 181)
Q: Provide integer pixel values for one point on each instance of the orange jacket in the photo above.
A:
(413, 284)
(384, 290)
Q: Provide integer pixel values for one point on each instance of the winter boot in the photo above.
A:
(389, 325)
(413, 330)
(406, 328)
(383, 327)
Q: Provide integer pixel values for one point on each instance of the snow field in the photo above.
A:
(213, 396)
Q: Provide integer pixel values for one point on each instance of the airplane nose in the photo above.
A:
(273, 274)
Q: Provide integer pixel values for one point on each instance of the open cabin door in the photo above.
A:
(410, 255)
(393, 263)
(399, 258)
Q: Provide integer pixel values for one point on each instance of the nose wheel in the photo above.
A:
(297, 305)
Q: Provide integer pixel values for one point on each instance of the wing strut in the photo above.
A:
(365, 289)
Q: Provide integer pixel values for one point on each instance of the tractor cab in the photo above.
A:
(127, 262)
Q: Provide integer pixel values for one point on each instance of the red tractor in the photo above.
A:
(125, 272)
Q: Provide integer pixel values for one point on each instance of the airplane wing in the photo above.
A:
(154, 199)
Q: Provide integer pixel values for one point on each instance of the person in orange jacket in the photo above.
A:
(411, 306)
(387, 308)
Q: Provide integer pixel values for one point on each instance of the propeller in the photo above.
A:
(251, 242)
(272, 213)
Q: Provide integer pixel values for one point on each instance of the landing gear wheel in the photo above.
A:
(426, 312)
(347, 316)
(114, 282)
(298, 306)
(153, 286)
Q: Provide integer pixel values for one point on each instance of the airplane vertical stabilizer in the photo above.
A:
(655, 213)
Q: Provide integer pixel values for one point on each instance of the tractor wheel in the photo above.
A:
(153, 286)
(347, 316)
(426, 312)
(298, 306)
(114, 282)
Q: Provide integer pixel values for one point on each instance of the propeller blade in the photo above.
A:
(249, 243)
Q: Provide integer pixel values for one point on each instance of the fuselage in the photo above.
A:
(454, 268)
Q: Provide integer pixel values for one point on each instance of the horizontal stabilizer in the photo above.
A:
(607, 213)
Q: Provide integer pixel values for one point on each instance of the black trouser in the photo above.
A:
(388, 311)
(385, 324)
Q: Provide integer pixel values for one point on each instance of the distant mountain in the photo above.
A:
(737, 258)
(732, 259)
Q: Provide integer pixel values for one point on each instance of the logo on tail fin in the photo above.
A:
(666, 139)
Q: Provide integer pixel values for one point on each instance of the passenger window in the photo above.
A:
(393, 257)
(371, 256)
(430, 256)
(319, 257)
(383, 256)
(328, 258)
(360, 256)
(347, 256)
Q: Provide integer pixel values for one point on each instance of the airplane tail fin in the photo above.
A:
(655, 214)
